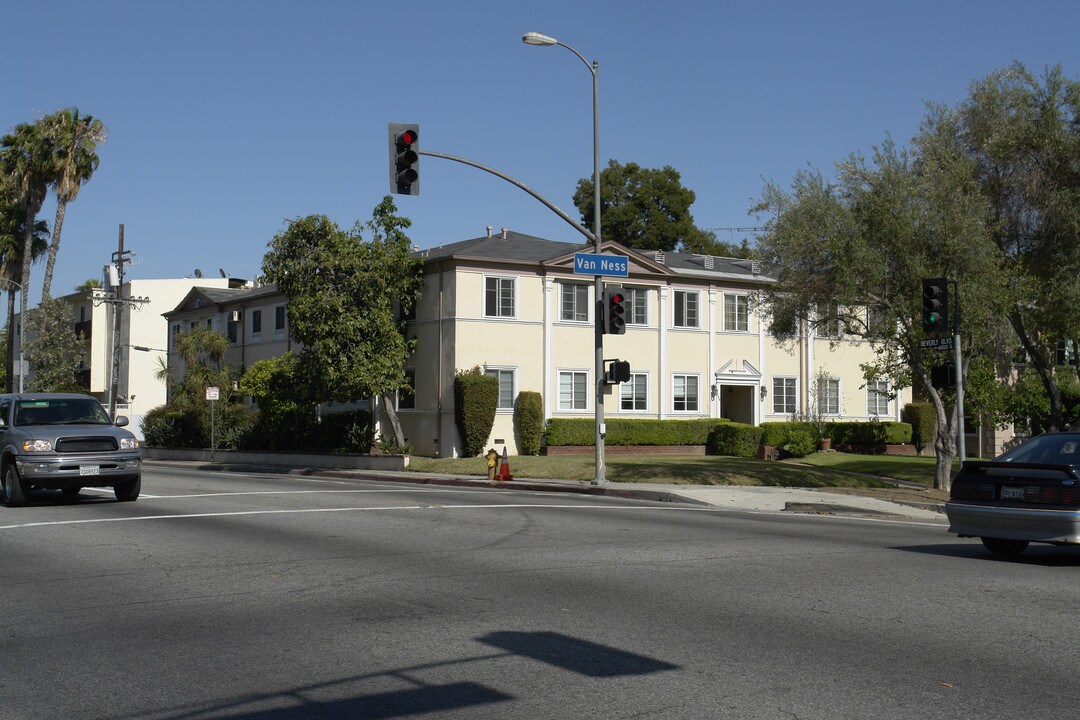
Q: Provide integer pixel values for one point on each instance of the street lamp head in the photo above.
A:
(535, 38)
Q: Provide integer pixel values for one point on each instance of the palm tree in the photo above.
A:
(12, 231)
(73, 139)
(25, 163)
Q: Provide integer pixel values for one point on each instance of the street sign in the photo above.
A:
(212, 393)
(940, 343)
(596, 264)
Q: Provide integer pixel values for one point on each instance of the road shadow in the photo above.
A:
(1039, 555)
(420, 698)
(575, 655)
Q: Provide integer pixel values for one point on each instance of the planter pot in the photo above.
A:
(825, 444)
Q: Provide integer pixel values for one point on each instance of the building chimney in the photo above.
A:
(489, 231)
(504, 233)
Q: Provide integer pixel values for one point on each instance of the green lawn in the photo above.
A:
(817, 470)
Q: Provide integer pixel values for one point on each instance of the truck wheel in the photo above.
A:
(1003, 547)
(15, 490)
(128, 490)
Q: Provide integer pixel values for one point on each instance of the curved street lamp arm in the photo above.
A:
(551, 206)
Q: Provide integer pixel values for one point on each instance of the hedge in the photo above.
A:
(529, 422)
(868, 433)
(923, 420)
(734, 439)
(626, 431)
(476, 397)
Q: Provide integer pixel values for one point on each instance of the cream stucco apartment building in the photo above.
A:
(512, 305)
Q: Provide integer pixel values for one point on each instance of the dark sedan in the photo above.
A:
(1029, 494)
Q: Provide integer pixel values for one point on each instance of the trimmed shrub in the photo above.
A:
(923, 420)
(734, 439)
(476, 398)
(800, 442)
(627, 431)
(778, 434)
(869, 433)
(529, 421)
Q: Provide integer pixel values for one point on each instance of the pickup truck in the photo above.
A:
(65, 441)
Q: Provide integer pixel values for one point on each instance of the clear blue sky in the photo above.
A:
(227, 118)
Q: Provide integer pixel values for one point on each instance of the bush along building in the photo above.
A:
(511, 306)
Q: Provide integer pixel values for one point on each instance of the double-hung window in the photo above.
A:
(574, 302)
(828, 396)
(785, 401)
(686, 308)
(573, 390)
(506, 386)
(685, 393)
(633, 394)
(499, 297)
(877, 397)
(639, 305)
(736, 312)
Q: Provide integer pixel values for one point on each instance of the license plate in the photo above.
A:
(89, 470)
(1012, 493)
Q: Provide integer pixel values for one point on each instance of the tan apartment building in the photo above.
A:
(512, 305)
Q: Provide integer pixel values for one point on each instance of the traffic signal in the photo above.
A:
(615, 308)
(618, 371)
(404, 159)
(935, 305)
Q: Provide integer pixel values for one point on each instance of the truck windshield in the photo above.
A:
(72, 411)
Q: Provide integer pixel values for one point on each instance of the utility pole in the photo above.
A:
(120, 259)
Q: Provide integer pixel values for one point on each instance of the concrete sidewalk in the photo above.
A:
(732, 497)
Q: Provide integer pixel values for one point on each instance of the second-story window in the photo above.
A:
(574, 302)
(256, 323)
(499, 297)
(686, 308)
(736, 312)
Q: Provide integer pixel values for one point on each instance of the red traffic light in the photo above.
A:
(407, 138)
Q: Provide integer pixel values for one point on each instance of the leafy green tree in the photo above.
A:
(342, 292)
(88, 285)
(1023, 135)
(852, 255)
(642, 208)
(73, 139)
(12, 233)
(53, 347)
(26, 164)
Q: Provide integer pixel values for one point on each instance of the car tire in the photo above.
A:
(1003, 547)
(15, 490)
(128, 490)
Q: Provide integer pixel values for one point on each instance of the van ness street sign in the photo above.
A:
(594, 264)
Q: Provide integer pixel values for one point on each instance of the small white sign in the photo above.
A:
(212, 393)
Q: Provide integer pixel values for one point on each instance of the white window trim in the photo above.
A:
(633, 290)
(696, 411)
(483, 297)
(588, 303)
(772, 391)
(499, 409)
(876, 394)
(675, 304)
(724, 320)
(648, 395)
(588, 395)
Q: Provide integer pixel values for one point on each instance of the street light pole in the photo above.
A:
(22, 323)
(534, 38)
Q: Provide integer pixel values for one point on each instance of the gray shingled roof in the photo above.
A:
(527, 248)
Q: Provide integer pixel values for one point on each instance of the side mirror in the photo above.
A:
(121, 420)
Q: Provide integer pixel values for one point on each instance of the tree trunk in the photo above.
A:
(54, 248)
(1045, 369)
(391, 416)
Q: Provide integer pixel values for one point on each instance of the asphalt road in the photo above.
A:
(251, 596)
